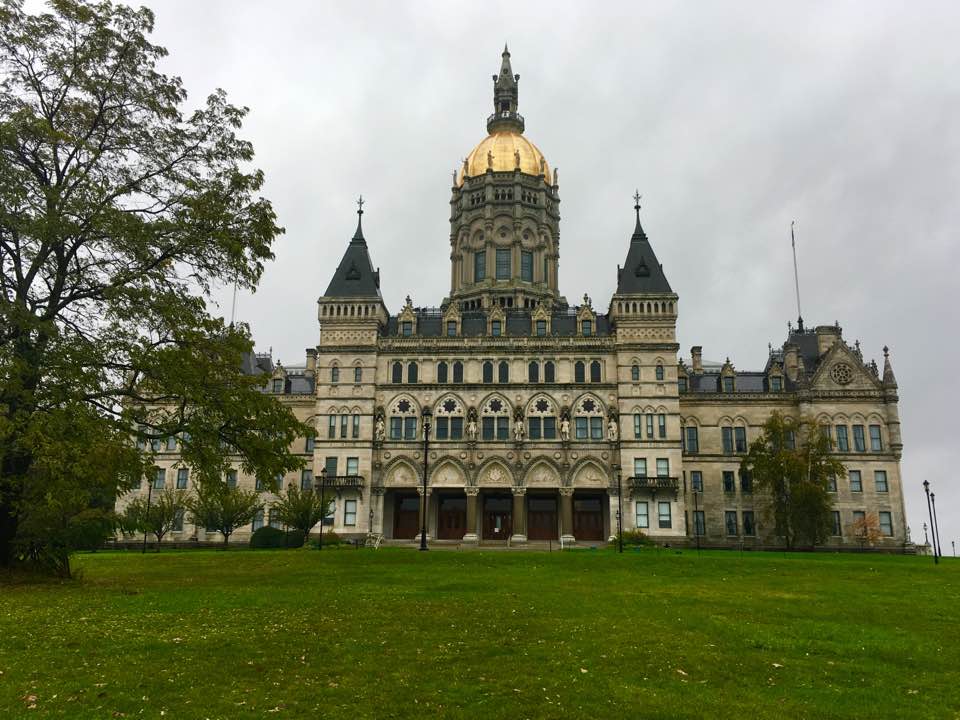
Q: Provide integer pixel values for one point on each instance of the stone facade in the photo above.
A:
(545, 418)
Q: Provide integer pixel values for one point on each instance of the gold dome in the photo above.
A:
(504, 146)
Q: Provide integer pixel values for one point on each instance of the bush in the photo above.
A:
(636, 538)
(330, 539)
(271, 537)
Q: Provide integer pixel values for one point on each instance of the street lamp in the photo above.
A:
(147, 517)
(696, 516)
(426, 449)
(323, 510)
(936, 525)
(926, 489)
(619, 510)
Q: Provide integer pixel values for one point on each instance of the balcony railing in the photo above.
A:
(341, 482)
(647, 482)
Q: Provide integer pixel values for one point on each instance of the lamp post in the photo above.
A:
(936, 525)
(696, 517)
(323, 510)
(925, 540)
(926, 489)
(426, 449)
(147, 518)
(619, 510)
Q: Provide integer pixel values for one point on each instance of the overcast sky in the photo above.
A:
(732, 119)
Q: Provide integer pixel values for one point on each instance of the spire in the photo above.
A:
(888, 378)
(641, 271)
(505, 116)
(355, 276)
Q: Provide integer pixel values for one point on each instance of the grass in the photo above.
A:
(394, 634)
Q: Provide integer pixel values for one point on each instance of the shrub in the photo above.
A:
(330, 538)
(271, 537)
(636, 538)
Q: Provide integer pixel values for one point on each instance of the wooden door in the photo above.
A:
(406, 516)
(452, 517)
(497, 517)
(542, 518)
(588, 518)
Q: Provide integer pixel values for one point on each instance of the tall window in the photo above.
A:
(406, 328)
(643, 515)
(635, 373)
(730, 521)
(663, 515)
(728, 384)
(661, 425)
(726, 433)
(696, 480)
(876, 444)
(749, 526)
(356, 427)
(640, 467)
(586, 327)
(159, 478)
(728, 484)
(349, 512)
(306, 480)
(353, 466)
(278, 385)
(663, 467)
(858, 440)
(479, 265)
(503, 372)
(533, 372)
(578, 371)
(886, 523)
(880, 481)
(740, 435)
(503, 263)
(441, 372)
(549, 372)
(649, 423)
(843, 443)
(692, 440)
(411, 372)
(397, 372)
(171, 443)
(487, 371)
(541, 328)
(659, 372)
(358, 375)
(182, 476)
(636, 426)
(448, 420)
(526, 266)
(837, 527)
(588, 423)
(682, 384)
(458, 371)
(334, 375)
(699, 523)
(746, 482)
(776, 384)
(595, 371)
(231, 478)
(451, 328)
(542, 420)
(496, 328)
(330, 465)
(332, 427)
(495, 421)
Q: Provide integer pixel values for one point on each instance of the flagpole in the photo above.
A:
(796, 276)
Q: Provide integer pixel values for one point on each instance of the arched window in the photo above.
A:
(533, 372)
(578, 372)
(448, 419)
(635, 373)
(411, 372)
(549, 372)
(458, 372)
(503, 372)
(358, 374)
(397, 372)
(487, 371)
(441, 372)
(659, 372)
(495, 419)
(588, 420)
(541, 419)
(595, 371)
(403, 420)
(334, 375)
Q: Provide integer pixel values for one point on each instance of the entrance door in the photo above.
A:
(497, 516)
(406, 516)
(452, 517)
(542, 518)
(588, 518)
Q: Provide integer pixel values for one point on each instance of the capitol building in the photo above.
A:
(550, 419)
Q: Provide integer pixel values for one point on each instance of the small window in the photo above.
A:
(659, 373)
(876, 443)
(682, 384)
(699, 523)
(441, 428)
(859, 443)
(664, 515)
(640, 467)
(586, 327)
(663, 467)
(541, 328)
(776, 384)
(831, 483)
(526, 266)
(596, 428)
(581, 428)
(183, 475)
(496, 328)
(178, 520)
(306, 480)
(406, 328)
(278, 385)
(549, 372)
(451, 328)
(503, 372)
(856, 481)
(397, 373)
(837, 526)
(412, 372)
(334, 375)
(635, 373)
(691, 439)
(410, 428)
(231, 478)
(353, 466)
(487, 371)
(886, 523)
(595, 371)
(479, 266)
(726, 434)
(730, 521)
(349, 512)
(533, 372)
(458, 372)
(880, 481)
(171, 443)
(843, 442)
(503, 264)
(441, 372)
(396, 428)
(579, 371)
(749, 526)
(728, 384)
(728, 484)
(643, 515)
(696, 480)
(746, 482)
(358, 375)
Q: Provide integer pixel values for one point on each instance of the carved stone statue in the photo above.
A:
(466, 168)
(518, 430)
(612, 429)
(565, 428)
(379, 430)
(556, 176)
(472, 429)
(543, 166)
(489, 160)
(516, 159)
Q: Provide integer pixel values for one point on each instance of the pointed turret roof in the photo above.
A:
(889, 380)
(355, 276)
(641, 271)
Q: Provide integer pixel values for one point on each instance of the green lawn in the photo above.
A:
(396, 633)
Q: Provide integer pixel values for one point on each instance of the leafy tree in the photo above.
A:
(791, 466)
(866, 529)
(219, 507)
(301, 509)
(157, 514)
(120, 213)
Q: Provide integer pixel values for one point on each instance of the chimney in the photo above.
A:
(696, 359)
(311, 361)
(827, 336)
(791, 361)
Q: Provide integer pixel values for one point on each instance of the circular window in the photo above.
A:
(841, 373)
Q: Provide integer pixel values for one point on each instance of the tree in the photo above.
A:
(156, 515)
(217, 506)
(120, 213)
(301, 509)
(866, 529)
(791, 467)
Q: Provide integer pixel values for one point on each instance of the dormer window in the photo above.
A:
(586, 327)
(776, 384)
(541, 328)
(728, 384)
(278, 385)
(682, 384)
(495, 328)
(406, 328)
(451, 328)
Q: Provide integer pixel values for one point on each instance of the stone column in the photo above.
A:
(566, 515)
(376, 504)
(519, 516)
(423, 507)
(471, 535)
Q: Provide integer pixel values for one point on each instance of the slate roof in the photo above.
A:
(355, 276)
(641, 271)
(518, 324)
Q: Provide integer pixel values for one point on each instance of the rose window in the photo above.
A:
(841, 373)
